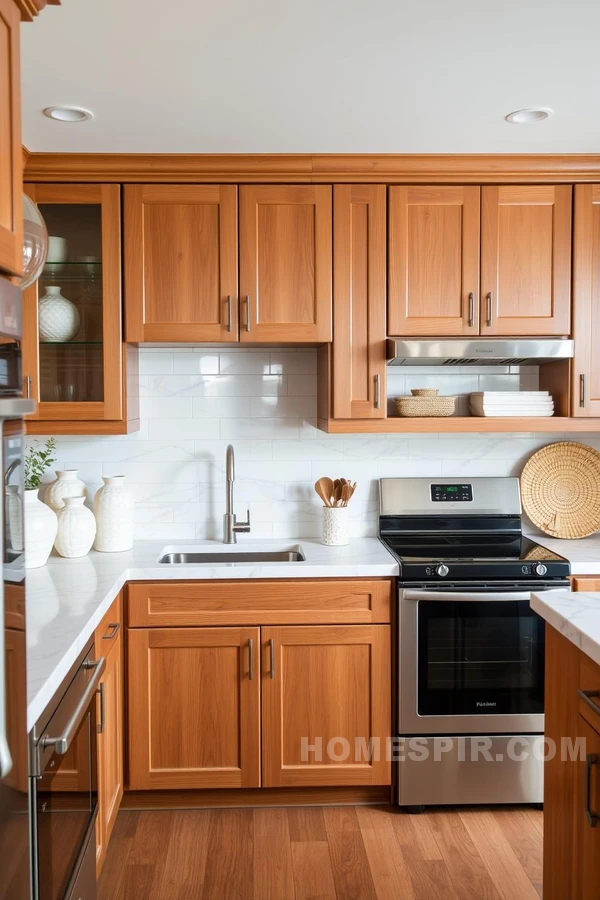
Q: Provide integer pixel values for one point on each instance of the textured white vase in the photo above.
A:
(76, 528)
(66, 484)
(14, 514)
(113, 508)
(40, 530)
(58, 318)
(335, 526)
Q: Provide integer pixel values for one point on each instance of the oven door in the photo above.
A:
(471, 662)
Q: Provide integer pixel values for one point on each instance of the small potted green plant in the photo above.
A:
(40, 521)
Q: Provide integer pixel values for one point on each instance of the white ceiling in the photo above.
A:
(387, 76)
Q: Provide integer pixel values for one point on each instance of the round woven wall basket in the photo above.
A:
(560, 490)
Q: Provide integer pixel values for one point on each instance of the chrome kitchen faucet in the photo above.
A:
(230, 526)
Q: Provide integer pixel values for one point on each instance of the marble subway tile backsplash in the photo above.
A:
(196, 401)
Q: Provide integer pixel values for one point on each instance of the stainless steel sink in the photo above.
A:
(233, 556)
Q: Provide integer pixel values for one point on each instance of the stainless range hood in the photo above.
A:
(477, 351)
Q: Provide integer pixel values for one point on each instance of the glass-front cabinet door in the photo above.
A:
(72, 348)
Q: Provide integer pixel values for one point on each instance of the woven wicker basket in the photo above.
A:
(425, 406)
(560, 489)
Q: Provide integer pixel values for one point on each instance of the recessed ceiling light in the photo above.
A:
(529, 114)
(68, 113)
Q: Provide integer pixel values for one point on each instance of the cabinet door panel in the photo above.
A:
(110, 747)
(11, 159)
(329, 687)
(181, 262)
(285, 263)
(526, 260)
(433, 260)
(587, 842)
(586, 300)
(359, 301)
(193, 709)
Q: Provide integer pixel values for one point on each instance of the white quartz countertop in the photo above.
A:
(574, 614)
(67, 598)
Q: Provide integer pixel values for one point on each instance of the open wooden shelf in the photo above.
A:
(457, 424)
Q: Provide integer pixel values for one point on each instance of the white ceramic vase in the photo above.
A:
(40, 530)
(76, 528)
(58, 318)
(335, 526)
(14, 514)
(66, 484)
(113, 508)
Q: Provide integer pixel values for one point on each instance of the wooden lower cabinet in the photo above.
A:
(325, 700)
(194, 718)
(110, 714)
(587, 834)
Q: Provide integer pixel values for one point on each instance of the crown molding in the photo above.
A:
(26, 156)
(325, 168)
(32, 8)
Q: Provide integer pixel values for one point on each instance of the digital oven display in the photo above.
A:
(451, 493)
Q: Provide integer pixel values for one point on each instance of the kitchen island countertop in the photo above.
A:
(576, 614)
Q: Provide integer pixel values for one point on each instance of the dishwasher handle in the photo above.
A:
(62, 742)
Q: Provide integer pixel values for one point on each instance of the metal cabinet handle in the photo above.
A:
(62, 743)
(102, 722)
(489, 309)
(247, 312)
(592, 759)
(114, 630)
(587, 697)
(378, 391)
(471, 309)
(28, 386)
(229, 314)
(250, 659)
(272, 658)
(582, 390)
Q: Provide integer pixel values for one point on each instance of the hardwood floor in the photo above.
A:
(324, 853)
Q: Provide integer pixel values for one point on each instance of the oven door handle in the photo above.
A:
(452, 596)
(62, 743)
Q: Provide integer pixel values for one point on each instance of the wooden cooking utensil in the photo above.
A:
(337, 492)
(346, 494)
(324, 489)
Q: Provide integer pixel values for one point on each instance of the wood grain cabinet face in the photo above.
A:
(285, 263)
(526, 260)
(359, 302)
(433, 251)
(181, 262)
(193, 708)
(587, 837)
(11, 185)
(329, 687)
(586, 301)
(110, 740)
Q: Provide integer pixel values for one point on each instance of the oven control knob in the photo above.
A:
(541, 569)
(442, 570)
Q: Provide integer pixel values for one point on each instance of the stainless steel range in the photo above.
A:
(470, 648)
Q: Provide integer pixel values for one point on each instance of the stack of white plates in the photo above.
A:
(511, 403)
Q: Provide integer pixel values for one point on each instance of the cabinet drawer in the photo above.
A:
(108, 631)
(589, 681)
(169, 603)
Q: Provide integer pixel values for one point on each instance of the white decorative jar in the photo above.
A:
(76, 528)
(335, 526)
(14, 514)
(58, 318)
(66, 484)
(113, 508)
(40, 530)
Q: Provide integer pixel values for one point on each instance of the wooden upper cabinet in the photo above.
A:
(181, 270)
(586, 300)
(359, 301)
(285, 263)
(11, 176)
(194, 718)
(433, 247)
(526, 260)
(327, 688)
